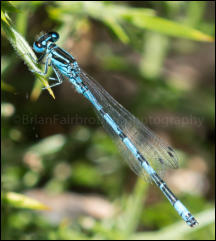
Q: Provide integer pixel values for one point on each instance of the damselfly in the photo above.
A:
(145, 153)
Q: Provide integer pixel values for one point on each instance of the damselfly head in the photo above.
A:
(40, 45)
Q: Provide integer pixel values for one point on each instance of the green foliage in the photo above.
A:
(115, 16)
(19, 43)
(146, 55)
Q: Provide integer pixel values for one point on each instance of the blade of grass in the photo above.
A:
(24, 51)
(167, 27)
(21, 201)
(130, 219)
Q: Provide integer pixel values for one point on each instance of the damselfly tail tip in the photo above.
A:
(193, 222)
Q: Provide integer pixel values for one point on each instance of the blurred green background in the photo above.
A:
(157, 59)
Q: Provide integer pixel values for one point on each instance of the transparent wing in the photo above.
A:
(157, 153)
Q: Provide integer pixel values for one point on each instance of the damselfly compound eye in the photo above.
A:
(54, 36)
(38, 47)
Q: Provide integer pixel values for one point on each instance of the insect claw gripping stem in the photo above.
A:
(143, 149)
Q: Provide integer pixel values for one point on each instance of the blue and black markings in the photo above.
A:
(67, 65)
